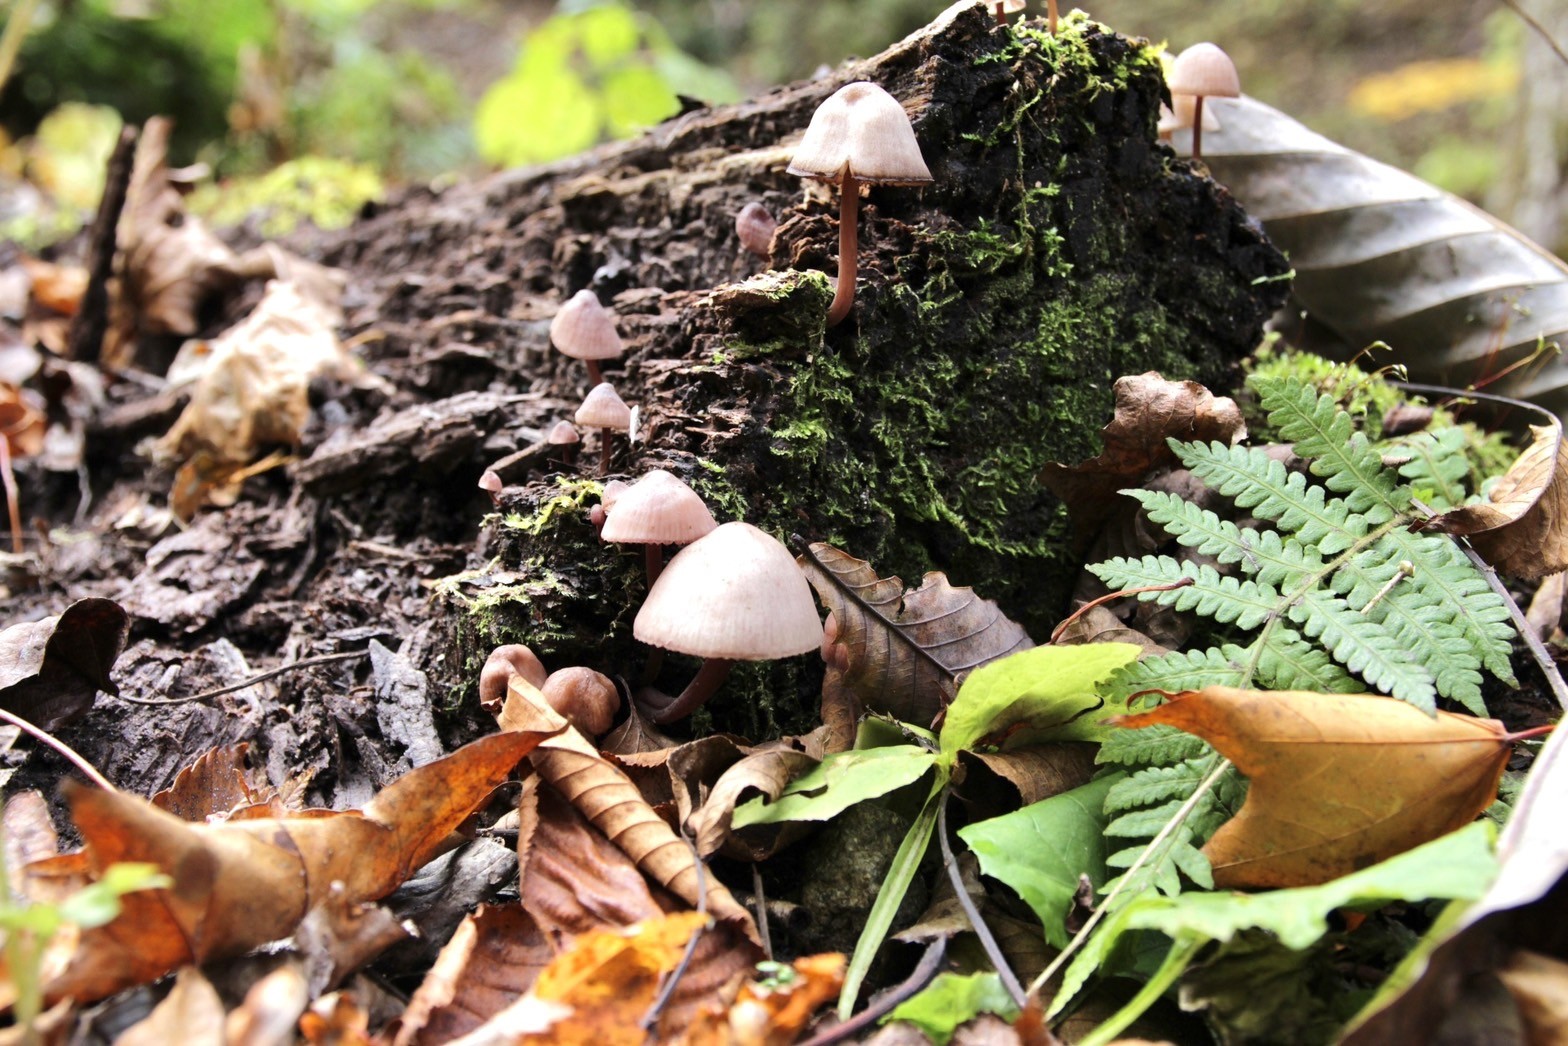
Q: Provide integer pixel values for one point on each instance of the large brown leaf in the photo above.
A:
(1338, 781)
(904, 653)
(241, 884)
(1381, 255)
(1522, 528)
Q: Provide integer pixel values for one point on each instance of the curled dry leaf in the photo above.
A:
(241, 884)
(1339, 782)
(51, 669)
(904, 653)
(607, 797)
(767, 773)
(1522, 528)
(1149, 411)
(494, 957)
(1380, 255)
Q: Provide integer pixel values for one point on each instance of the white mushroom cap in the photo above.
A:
(861, 129)
(658, 509)
(603, 409)
(736, 593)
(1204, 69)
(585, 330)
(612, 493)
(1009, 7)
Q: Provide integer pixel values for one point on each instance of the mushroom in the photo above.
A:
(1178, 116)
(586, 698)
(860, 135)
(1202, 71)
(490, 483)
(734, 595)
(657, 510)
(585, 330)
(1012, 7)
(503, 663)
(563, 435)
(754, 225)
(602, 409)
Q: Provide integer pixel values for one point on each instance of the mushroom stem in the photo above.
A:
(848, 245)
(1197, 128)
(1001, 18)
(708, 679)
(594, 377)
(1050, 14)
(653, 561)
(605, 435)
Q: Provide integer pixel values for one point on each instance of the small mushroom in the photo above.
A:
(1011, 7)
(587, 699)
(1202, 71)
(658, 510)
(604, 410)
(564, 436)
(585, 330)
(490, 483)
(754, 225)
(1178, 116)
(859, 136)
(503, 663)
(734, 595)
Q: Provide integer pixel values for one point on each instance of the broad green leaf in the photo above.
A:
(1459, 866)
(606, 33)
(950, 1000)
(1041, 850)
(1048, 689)
(839, 782)
(531, 117)
(635, 97)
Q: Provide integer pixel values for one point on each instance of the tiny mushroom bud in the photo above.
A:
(503, 663)
(604, 410)
(733, 595)
(754, 225)
(1202, 71)
(490, 483)
(585, 330)
(658, 510)
(859, 135)
(563, 434)
(587, 699)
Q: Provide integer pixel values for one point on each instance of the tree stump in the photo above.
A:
(1059, 248)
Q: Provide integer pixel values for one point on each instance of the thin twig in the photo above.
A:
(91, 321)
(924, 971)
(650, 1020)
(762, 911)
(1176, 820)
(1543, 657)
(71, 755)
(993, 950)
(1528, 19)
(1081, 611)
(304, 662)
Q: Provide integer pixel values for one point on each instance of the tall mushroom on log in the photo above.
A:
(1202, 71)
(734, 595)
(585, 330)
(859, 136)
(603, 409)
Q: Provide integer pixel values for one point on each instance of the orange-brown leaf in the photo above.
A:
(1522, 529)
(773, 1015)
(1338, 782)
(211, 786)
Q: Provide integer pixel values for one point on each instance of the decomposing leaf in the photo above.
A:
(904, 653)
(57, 288)
(270, 1011)
(27, 833)
(495, 956)
(240, 884)
(1380, 255)
(211, 786)
(607, 797)
(22, 421)
(191, 1013)
(767, 773)
(1522, 527)
(1149, 411)
(51, 669)
(336, 1020)
(1338, 781)
(1539, 986)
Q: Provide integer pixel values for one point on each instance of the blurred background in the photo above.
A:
(305, 109)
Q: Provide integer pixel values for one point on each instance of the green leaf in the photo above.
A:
(1049, 688)
(839, 782)
(1459, 866)
(1041, 850)
(952, 999)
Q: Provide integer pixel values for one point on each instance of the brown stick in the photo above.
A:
(848, 247)
(1081, 611)
(85, 338)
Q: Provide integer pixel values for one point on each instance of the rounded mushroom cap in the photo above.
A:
(736, 593)
(587, 699)
(603, 408)
(561, 433)
(659, 509)
(585, 330)
(861, 129)
(1203, 69)
(754, 225)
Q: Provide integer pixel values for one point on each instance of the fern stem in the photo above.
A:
(1081, 611)
(1149, 852)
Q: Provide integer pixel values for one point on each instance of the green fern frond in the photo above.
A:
(1184, 670)
(1444, 574)
(1327, 436)
(1289, 662)
(1158, 784)
(1365, 647)
(1436, 467)
(1270, 559)
(1226, 599)
(1257, 482)
(1163, 745)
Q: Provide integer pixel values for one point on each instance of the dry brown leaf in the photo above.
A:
(1539, 986)
(607, 797)
(27, 833)
(22, 421)
(1149, 411)
(774, 1015)
(270, 1011)
(1032, 773)
(340, 935)
(212, 786)
(50, 670)
(191, 1014)
(766, 773)
(1522, 529)
(1338, 781)
(57, 288)
(240, 884)
(336, 1020)
(904, 653)
(493, 958)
